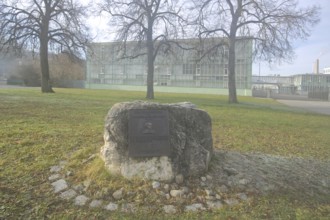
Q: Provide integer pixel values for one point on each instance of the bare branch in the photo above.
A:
(153, 25)
(40, 23)
(272, 25)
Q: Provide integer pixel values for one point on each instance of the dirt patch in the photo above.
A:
(267, 174)
(320, 107)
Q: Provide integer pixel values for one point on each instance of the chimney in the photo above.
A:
(317, 67)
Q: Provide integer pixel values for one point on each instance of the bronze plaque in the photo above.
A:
(148, 133)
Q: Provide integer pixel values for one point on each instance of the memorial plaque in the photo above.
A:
(148, 133)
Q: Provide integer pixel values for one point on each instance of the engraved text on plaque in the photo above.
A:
(148, 133)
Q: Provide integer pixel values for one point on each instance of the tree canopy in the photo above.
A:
(152, 24)
(272, 25)
(41, 26)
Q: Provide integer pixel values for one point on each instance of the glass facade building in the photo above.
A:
(180, 68)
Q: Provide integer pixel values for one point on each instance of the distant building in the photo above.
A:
(326, 70)
(275, 79)
(181, 71)
(301, 81)
(311, 85)
(305, 82)
(277, 83)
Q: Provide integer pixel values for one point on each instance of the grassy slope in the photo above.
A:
(38, 130)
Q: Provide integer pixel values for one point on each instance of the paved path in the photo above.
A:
(5, 86)
(313, 106)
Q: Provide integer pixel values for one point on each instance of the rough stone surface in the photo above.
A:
(69, 173)
(231, 201)
(169, 209)
(79, 188)
(179, 179)
(222, 189)
(59, 185)
(81, 200)
(166, 188)
(111, 206)
(209, 192)
(54, 177)
(208, 177)
(185, 190)
(176, 193)
(128, 207)
(194, 207)
(69, 194)
(55, 169)
(96, 203)
(86, 184)
(214, 204)
(155, 168)
(189, 135)
(155, 185)
(118, 194)
(242, 196)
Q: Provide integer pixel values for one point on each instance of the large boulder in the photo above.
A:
(189, 138)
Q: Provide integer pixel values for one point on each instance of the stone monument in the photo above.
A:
(157, 141)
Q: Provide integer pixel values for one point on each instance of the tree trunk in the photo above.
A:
(150, 55)
(232, 53)
(45, 79)
(231, 69)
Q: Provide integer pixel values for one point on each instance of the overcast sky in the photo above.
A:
(317, 46)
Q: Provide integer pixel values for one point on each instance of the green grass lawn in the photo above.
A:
(39, 130)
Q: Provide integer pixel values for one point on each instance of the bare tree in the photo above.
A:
(272, 25)
(43, 25)
(153, 25)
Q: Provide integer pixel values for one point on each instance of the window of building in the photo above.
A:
(102, 52)
(225, 70)
(198, 69)
(226, 52)
(139, 76)
(189, 69)
(102, 71)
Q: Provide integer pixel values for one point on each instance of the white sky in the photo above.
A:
(317, 46)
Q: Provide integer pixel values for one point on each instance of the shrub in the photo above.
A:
(29, 74)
